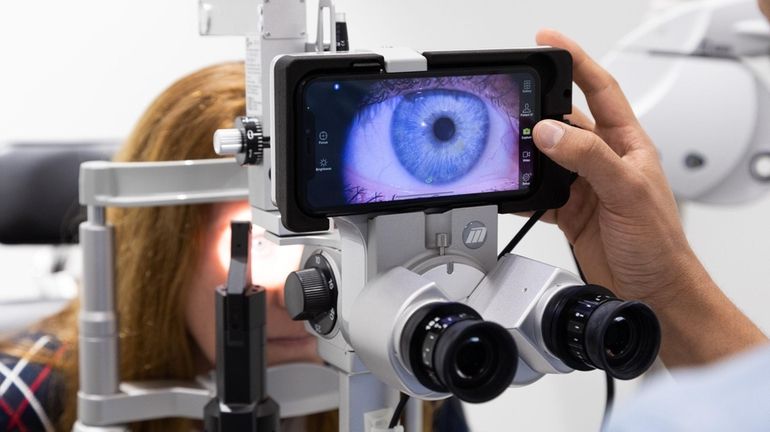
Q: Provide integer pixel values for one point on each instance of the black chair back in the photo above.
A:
(39, 189)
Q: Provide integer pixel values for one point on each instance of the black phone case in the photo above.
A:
(554, 67)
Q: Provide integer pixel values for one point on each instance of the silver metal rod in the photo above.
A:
(98, 335)
(96, 215)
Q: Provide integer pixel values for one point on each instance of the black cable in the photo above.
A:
(610, 399)
(528, 225)
(610, 381)
(402, 400)
(522, 232)
(577, 264)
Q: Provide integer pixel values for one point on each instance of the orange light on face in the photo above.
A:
(270, 263)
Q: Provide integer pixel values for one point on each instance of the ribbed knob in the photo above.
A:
(306, 294)
(228, 142)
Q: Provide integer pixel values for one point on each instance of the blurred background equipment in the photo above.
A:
(698, 77)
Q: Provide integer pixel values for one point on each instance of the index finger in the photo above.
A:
(606, 100)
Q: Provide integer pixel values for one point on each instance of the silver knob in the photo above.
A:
(228, 142)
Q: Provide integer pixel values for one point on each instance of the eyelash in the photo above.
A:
(478, 84)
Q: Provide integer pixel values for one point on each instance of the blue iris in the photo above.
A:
(439, 135)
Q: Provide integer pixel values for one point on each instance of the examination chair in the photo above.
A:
(39, 218)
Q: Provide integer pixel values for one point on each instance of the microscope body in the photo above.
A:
(512, 292)
(405, 269)
(516, 295)
(400, 263)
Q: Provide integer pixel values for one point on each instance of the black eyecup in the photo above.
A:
(432, 351)
(593, 308)
(644, 353)
(492, 382)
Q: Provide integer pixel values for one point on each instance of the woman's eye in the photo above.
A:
(431, 142)
(438, 135)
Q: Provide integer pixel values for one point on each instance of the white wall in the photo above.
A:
(89, 68)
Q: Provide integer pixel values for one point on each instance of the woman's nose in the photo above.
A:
(275, 295)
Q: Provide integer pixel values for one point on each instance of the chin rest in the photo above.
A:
(39, 189)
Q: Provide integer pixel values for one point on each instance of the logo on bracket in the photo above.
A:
(474, 235)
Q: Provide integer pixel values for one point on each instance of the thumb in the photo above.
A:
(583, 152)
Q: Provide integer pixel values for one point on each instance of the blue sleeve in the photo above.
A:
(729, 396)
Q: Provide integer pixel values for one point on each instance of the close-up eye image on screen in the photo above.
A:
(408, 138)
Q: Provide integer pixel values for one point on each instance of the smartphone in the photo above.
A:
(366, 141)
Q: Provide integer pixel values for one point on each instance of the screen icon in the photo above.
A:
(527, 111)
(323, 165)
(526, 154)
(526, 86)
(323, 138)
(526, 131)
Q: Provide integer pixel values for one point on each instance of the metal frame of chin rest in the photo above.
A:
(104, 402)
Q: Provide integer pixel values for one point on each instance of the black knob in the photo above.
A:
(253, 141)
(307, 294)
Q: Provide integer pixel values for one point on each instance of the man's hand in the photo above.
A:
(624, 225)
(621, 218)
(764, 6)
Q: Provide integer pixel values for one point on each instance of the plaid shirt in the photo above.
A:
(30, 392)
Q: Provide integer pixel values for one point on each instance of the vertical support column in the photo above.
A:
(413, 415)
(361, 393)
(282, 30)
(98, 326)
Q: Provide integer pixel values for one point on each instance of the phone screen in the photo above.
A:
(408, 137)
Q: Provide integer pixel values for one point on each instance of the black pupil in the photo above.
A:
(444, 128)
(472, 358)
(617, 340)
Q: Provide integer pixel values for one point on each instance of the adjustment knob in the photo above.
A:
(307, 294)
(228, 142)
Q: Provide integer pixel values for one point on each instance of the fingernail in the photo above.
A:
(549, 133)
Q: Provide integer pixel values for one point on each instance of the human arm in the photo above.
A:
(623, 222)
(764, 6)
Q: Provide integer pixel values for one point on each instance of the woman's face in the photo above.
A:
(287, 340)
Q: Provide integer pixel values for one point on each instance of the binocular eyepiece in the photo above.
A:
(413, 338)
(587, 327)
(449, 348)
